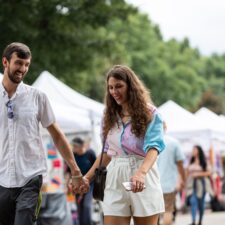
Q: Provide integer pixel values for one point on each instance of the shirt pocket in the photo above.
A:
(26, 121)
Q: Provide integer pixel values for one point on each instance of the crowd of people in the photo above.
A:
(136, 150)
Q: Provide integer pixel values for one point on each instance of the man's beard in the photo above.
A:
(14, 79)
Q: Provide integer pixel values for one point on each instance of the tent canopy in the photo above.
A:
(192, 129)
(56, 89)
(211, 119)
(74, 112)
(178, 119)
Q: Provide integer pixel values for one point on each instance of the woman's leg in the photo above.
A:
(148, 220)
(194, 205)
(117, 220)
(201, 207)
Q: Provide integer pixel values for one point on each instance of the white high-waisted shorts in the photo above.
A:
(119, 202)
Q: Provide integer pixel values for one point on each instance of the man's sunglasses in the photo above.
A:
(10, 112)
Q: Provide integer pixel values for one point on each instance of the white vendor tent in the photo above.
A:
(191, 129)
(216, 126)
(211, 119)
(1, 77)
(178, 119)
(181, 124)
(74, 112)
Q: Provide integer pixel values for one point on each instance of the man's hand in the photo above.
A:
(85, 187)
(79, 185)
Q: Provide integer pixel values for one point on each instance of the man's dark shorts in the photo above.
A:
(18, 206)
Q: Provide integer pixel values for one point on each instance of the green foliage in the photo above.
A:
(79, 40)
(212, 101)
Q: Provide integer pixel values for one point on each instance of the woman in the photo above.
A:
(133, 134)
(198, 183)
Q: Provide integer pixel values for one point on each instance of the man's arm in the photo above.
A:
(181, 172)
(64, 148)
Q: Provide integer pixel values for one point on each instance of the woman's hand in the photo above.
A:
(84, 188)
(138, 181)
(79, 185)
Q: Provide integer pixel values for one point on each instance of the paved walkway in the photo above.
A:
(210, 218)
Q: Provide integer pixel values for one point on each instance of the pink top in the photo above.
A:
(121, 141)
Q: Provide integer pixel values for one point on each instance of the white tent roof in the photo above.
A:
(1, 77)
(177, 118)
(64, 94)
(211, 119)
(222, 116)
(74, 112)
(190, 128)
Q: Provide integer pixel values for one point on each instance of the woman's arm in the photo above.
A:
(138, 179)
(201, 174)
(105, 161)
(148, 162)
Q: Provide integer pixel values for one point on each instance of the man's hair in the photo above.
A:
(21, 50)
(78, 141)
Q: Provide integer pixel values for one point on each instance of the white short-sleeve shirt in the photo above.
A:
(22, 154)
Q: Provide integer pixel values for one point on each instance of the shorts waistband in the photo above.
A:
(130, 160)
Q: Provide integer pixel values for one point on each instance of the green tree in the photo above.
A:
(78, 41)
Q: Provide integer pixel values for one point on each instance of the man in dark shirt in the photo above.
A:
(85, 158)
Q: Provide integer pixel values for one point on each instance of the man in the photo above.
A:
(22, 155)
(85, 158)
(169, 162)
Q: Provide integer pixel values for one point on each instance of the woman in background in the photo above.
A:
(198, 183)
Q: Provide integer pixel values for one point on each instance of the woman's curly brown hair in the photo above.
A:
(138, 102)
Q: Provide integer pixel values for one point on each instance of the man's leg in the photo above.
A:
(167, 218)
(7, 207)
(27, 202)
(169, 199)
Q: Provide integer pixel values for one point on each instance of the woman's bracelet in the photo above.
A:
(77, 176)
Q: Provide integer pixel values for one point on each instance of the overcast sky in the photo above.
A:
(202, 21)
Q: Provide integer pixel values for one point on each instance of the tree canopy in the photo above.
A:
(79, 40)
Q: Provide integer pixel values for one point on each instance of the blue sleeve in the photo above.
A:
(154, 135)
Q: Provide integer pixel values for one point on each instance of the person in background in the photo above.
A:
(132, 134)
(22, 154)
(85, 158)
(171, 169)
(221, 197)
(198, 183)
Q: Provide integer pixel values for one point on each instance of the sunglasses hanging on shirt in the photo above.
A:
(10, 112)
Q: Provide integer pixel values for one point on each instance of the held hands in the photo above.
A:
(84, 188)
(138, 181)
(79, 184)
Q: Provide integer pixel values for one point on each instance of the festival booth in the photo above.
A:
(74, 112)
(217, 127)
(76, 115)
(181, 124)
(203, 128)
(191, 129)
